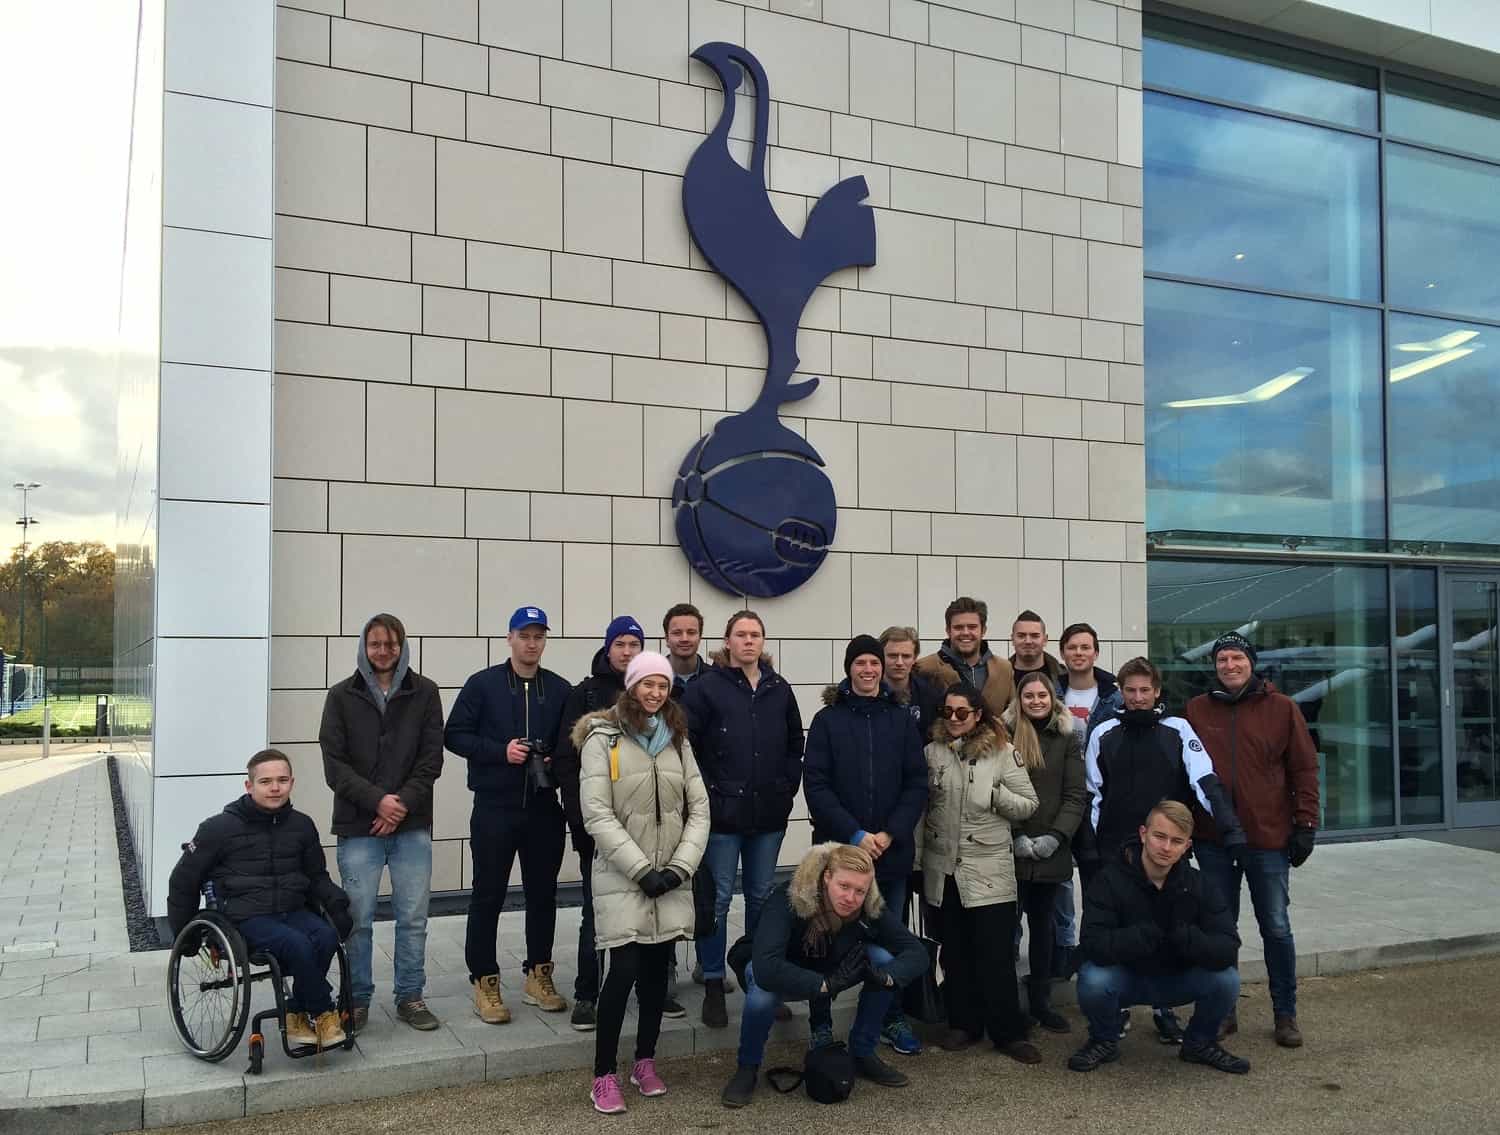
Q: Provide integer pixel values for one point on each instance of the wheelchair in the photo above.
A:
(210, 975)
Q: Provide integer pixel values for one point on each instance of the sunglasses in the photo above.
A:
(958, 713)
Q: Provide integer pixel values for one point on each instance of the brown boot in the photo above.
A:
(1288, 1035)
(330, 1030)
(299, 1030)
(956, 1040)
(1021, 1051)
(540, 991)
(489, 1006)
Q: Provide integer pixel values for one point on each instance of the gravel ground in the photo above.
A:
(1394, 1051)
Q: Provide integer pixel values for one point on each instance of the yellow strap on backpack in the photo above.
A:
(614, 761)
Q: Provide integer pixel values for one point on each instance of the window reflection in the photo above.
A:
(1235, 69)
(1442, 232)
(1259, 202)
(1418, 695)
(1263, 415)
(1323, 637)
(1444, 402)
(1455, 120)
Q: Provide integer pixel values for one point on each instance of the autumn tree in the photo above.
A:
(69, 592)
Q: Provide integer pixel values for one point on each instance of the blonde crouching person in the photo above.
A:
(645, 807)
(1050, 743)
(976, 785)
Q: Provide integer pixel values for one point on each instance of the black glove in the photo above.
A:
(343, 922)
(674, 880)
(1151, 938)
(655, 884)
(1236, 852)
(1180, 938)
(852, 969)
(877, 979)
(1300, 846)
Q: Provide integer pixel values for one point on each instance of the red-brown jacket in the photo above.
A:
(1264, 757)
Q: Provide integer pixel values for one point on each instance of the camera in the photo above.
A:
(537, 771)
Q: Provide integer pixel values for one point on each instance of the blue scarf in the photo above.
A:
(659, 737)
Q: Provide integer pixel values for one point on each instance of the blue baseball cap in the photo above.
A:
(529, 617)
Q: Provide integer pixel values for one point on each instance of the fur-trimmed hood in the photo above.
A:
(720, 657)
(1061, 720)
(979, 742)
(605, 721)
(807, 881)
(832, 695)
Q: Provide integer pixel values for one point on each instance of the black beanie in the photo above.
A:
(863, 644)
(1233, 640)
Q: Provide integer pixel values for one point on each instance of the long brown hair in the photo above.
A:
(1027, 743)
(982, 713)
(633, 716)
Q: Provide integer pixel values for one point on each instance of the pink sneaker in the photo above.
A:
(644, 1076)
(606, 1095)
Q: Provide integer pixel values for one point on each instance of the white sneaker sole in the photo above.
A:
(649, 1095)
(606, 1110)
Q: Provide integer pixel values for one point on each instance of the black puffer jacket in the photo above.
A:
(600, 690)
(1128, 922)
(368, 753)
(866, 773)
(259, 862)
(748, 744)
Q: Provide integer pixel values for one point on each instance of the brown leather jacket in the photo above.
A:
(1265, 759)
(998, 686)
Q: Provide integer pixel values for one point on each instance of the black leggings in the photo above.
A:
(645, 968)
(1037, 901)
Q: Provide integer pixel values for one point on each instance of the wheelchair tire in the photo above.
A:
(208, 987)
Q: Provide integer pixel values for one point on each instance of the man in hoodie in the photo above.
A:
(1134, 761)
(1028, 639)
(965, 656)
(382, 742)
(503, 724)
(865, 782)
(1261, 748)
(623, 640)
(1092, 696)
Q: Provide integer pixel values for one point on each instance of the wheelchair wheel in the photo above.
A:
(208, 987)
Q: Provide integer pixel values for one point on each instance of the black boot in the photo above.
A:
(878, 1071)
(1039, 1001)
(715, 1014)
(741, 1087)
(1093, 1054)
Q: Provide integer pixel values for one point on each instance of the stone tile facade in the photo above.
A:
(495, 341)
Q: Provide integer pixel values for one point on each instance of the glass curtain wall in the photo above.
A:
(1321, 309)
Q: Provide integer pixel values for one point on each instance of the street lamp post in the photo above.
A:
(26, 521)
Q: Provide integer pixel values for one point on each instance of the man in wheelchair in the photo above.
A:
(265, 868)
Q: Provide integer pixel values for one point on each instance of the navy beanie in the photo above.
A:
(1233, 640)
(623, 624)
(862, 644)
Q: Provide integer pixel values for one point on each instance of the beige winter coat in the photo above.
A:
(976, 787)
(642, 813)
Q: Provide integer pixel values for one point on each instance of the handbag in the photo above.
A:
(705, 921)
(922, 999)
(827, 1073)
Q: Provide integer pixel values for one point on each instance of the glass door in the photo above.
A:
(1474, 701)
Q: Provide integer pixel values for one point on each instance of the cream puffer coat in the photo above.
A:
(975, 788)
(643, 813)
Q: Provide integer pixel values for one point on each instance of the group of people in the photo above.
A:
(962, 783)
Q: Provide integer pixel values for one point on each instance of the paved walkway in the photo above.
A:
(86, 1043)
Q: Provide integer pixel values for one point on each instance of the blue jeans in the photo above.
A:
(726, 851)
(1065, 917)
(1268, 873)
(303, 945)
(760, 1013)
(409, 856)
(1104, 990)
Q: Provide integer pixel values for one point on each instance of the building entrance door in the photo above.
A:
(1473, 698)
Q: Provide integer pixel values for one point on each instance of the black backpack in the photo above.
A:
(827, 1073)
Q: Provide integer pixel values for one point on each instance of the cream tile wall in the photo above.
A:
(495, 341)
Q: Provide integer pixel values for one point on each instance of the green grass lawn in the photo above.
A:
(77, 712)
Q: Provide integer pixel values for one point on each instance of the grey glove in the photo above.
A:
(1044, 846)
(1024, 848)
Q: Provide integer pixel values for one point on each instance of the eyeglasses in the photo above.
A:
(959, 713)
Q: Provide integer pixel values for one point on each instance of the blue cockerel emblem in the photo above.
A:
(755, 512)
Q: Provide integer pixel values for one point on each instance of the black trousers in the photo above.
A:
(586, 986)
(496, 836)
(979, 967)
(1037, 901)
(645, 968)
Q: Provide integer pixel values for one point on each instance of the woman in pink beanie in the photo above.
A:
(646, 809)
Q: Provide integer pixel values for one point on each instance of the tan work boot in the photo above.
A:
(1288, 1035)
(299, 1029)
(540, 991)
(330, 1031)
(488, 1005)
